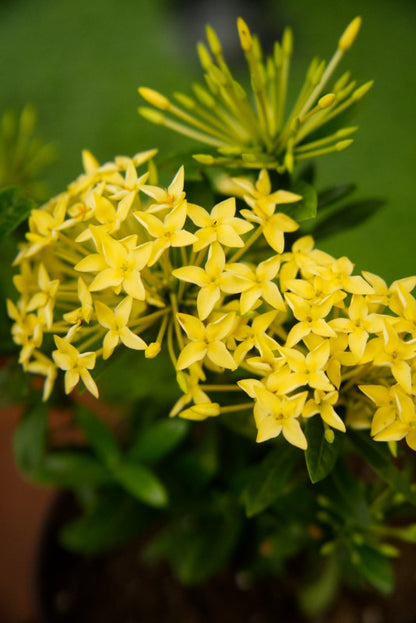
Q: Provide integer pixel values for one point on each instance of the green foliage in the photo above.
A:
(268, 479)
(124, 517)
(305, 209)
(14, 209)
(159, 439)
(320, 455)
(141, 482)
(198, 544)
(29, 440)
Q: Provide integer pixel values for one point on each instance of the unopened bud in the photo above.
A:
(349, 35)
(287, 42)
(246, 39)
(362, 90)
(327, 100)
(213, 41)
(155, 98)
(341, 145)
(151, 115)
(152, 350)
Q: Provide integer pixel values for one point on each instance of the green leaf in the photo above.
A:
(304, 209)
(320, 455)
(73, 469)
(329, 196)
(268, 479)
(142, 483)
(14, 208)
(347, 217)
(197, 546)
(375, 567)
(29, 440)
(156, 441)
(99, 437)
(112, 520)
(346, 495)
(380, 460)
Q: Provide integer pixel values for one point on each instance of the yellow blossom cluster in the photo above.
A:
(118, 260)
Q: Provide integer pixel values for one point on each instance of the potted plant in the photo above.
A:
(230, 398)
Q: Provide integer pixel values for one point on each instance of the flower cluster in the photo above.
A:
(257, 131)
(118, 260)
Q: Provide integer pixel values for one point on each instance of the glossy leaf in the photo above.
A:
(158, 439)
(304, 209)
(380, 460)
(329, 196)
(113, 519)
(375, 567)
(14, 209)
(29, 439)
(142, 483)
(199, 545)
(347, 217)
(99, 437)
(320, 455)
(268, 479)
(73, 469)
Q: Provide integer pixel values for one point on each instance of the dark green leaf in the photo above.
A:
(73, 469)
(14, 208)
(347, 217)
(304, 209)
(381, 461)
(156, 441)
(142, 483)
(375, 567)
(99, 437)
(268, 479)
(320, 455)
(346, 495)
(198, 545)
(329, 196)
(30, 439)
(112, 520)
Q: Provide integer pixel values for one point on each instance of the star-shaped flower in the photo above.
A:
(116, 322)
(75, 364)
(206, 341)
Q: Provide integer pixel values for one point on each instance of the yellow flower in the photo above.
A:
(75, 364)
(359, 325)
(170, 198)
(395, 417)
(258, 282)
(391, 351)
(211, 281)
(44, 228)
(116, 323)
(221, 225)
(323, 403)
(83, 313)
(310, 316)
(202, 406)
(166, 233)
(118, 264)
(44, 299)
(276, 414)
(27, 331)
(302, 369)
(206, 341)
(337, 275)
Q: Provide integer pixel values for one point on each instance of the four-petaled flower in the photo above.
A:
(75, 364)
(116, 322)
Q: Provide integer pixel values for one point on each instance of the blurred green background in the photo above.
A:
(80, 64)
